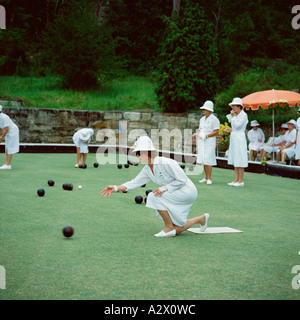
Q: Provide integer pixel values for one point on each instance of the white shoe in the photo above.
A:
(231, 183)
(5, 167)
(76, 165)
(163, 234)
(236, 184)
(209, 182)
(203, 228)
(203, 180)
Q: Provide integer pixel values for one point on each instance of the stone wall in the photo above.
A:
(58, 126)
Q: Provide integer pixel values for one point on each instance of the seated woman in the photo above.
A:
(288, 149)
(278, 142)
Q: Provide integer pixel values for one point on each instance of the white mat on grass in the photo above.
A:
(214, 230)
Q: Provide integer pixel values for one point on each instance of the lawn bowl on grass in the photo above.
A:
(116, 256)
(68, 231)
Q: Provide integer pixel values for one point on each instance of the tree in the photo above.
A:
(176, 5)
(188, 60)
(137, 29)
(77, 48)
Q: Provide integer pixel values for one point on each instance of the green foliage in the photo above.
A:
(137, 29)
(254, 29)
(263, 75)
(186, 73)
(19, 42)
(12, 50)
(127, 93)
(77, 48)
(249, 37)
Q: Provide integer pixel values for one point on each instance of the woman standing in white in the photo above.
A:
(81, 139)
(10, 132)
(297, 150)
(175, 196)
(209, 127)
(237, 154)
(256, 138)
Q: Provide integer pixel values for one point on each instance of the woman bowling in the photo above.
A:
(175, 196)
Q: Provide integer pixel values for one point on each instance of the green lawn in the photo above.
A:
(113, 253)
(129, 93)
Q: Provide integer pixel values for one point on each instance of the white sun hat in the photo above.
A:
(208, 105)
(254, 123)
(84, 134)
(143, 143)
(292, 121)
(236, 101)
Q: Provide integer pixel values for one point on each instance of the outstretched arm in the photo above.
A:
(110, 189)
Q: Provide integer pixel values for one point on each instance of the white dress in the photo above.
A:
(291, 137)
(253, 136)
(207, 148)
(237, 153)
(179, 197)
(80, 143)
(12, 136)
(280, 139)
(297, 150)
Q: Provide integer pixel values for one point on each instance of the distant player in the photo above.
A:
(81, 140)
(10, 132)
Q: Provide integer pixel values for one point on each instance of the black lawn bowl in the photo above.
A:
(68, 231)
(68, 186)
(138, 199)
(41, 192)
(51, 183)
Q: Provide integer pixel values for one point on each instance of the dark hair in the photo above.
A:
(151, 154)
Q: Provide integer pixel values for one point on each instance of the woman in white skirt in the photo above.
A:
(10, 132)
(81, 140)
(237, 153)
(175, 196)
(209, 127)
(297, 150)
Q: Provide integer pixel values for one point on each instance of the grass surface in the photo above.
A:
(127, 94)
(113, 253)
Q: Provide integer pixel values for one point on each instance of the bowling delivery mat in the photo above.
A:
(214, 230)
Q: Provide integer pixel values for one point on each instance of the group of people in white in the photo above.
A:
(284, 147)
(176, 193)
